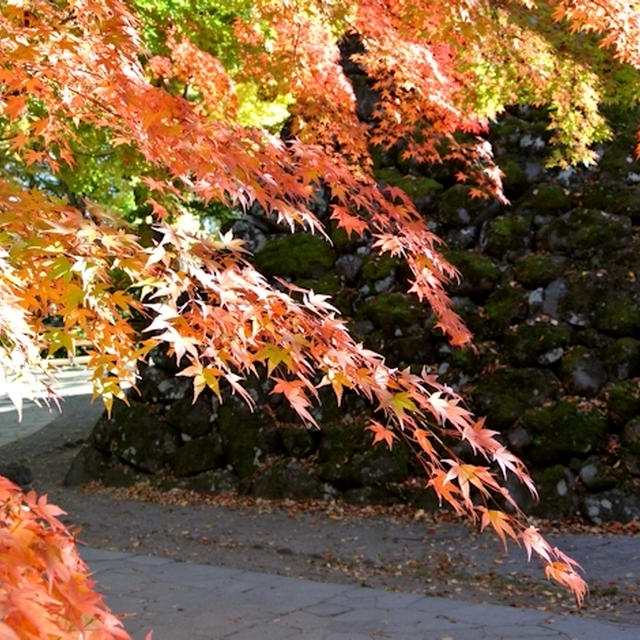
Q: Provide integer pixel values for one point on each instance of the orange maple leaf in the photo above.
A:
(382, 434)
(501, 523)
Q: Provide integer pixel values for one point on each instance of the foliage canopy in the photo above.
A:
(114, 114)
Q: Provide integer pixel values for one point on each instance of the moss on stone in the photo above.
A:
(581, 371)
(563, 430)
(557, 498)
(514, 179)
(414, 186)
(376, 266)
(300, 255)
(623, 402)
(508, 128)
(286, 478)
(618, 158)
(347, 459)
(619, 315)
(464, 359)
(506, 233)
(596, 197)
(328, 284)
(530, 342)
(504, 395)
(390, 311)
(198, 455)
(457, 208)
(341, 241)
(625, 201)
(584, 230)
(631, 439)
(248, 437)
(505, 306)
(537, 270)
(479, 274)
(622, 358)
(547, 198)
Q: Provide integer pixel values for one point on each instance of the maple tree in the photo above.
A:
(112, 114)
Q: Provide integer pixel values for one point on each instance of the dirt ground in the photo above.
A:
(391, 548)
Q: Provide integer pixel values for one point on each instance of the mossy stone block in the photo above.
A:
(342, 241)
(585, 230)
(596, 197)
(376, 267)
(631, 438)
(340, 442)
(504, 307)
(582, 371)
(300, 255)
(414, 186)
(515, 178)
(557, 495)
(618, 158)
(538, 270)
(248, 437)
(622, 358)
(504, 395)
(545, 198)
(136, 435)
(456, 207)
(506, 233)
(287, 478)
(198, 455)
(328, 284)
(529, 343)
(623, 402)
(563, 430)
(619, 315)
(391, 311)
(479, 275)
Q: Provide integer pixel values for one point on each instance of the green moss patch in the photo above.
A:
(504, 395)
(300, 255)
(414, 186)
(563, 430)
(537, 270)
(506, 233)
(529, 343)
(479, 274)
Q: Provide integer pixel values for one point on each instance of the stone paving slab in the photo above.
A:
(181, 601)
(75, 404)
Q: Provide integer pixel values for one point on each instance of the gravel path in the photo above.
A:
(393, 549)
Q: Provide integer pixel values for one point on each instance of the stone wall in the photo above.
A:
(551, 289)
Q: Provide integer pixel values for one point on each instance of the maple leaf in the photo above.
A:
(422, 438)
(563, 574)
(479, 437)
(293, 391)
(347, 221)
(501, 523)
(533, 541)
(274, 356)
(445, 489)
(381, 433)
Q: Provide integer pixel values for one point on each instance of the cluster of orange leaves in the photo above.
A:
(80, 62)
(45, 587)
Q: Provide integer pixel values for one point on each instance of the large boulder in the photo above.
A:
(504, 395)
(137, 435)
(563, 430)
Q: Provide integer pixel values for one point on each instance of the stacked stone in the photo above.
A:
(549, 286)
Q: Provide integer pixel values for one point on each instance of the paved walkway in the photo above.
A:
(181, 601)
(184, 601)
(72, 382)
